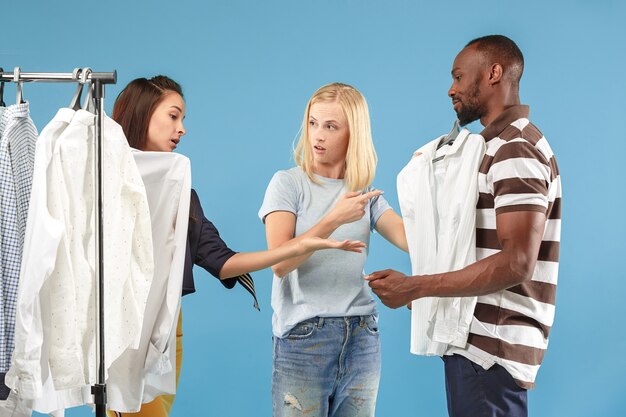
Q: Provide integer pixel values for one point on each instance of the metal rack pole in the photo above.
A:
(103, 77)
(99, 389)
(98, 80)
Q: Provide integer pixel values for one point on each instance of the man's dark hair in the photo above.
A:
(500, 49)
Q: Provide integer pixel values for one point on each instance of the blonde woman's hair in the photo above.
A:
(361, 156)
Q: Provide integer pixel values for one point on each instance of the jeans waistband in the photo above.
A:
(319, 321)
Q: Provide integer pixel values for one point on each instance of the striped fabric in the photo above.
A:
(518, 173)
(246, 281)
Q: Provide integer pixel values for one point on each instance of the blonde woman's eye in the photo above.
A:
(173, 116)
(332, 127)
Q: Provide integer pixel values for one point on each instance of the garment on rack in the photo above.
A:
(17, 150)
(52, 402)
(18, 129)
(29, 329)
(48, 399)
(141, 375)
(438, 205)
(52, 340)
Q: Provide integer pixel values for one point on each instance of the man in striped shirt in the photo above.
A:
(517, 238)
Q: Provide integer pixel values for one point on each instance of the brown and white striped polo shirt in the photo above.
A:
(518, 173)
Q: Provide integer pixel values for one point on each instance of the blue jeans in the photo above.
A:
(327, 367)
(476, 392)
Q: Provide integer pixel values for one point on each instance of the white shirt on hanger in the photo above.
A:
(127, 251)
(59, 258)
(39, 255)
(140, 375)
(29, 332)
(438, 207)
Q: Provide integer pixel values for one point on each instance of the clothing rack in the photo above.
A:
(98, 80)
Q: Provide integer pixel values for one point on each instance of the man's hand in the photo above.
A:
(392, 287)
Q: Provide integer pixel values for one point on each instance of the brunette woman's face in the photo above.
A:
(166, 124)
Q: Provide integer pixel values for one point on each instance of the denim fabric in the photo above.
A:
(327, 367)
(473, 391)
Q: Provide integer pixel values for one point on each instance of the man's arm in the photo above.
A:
(519, 233)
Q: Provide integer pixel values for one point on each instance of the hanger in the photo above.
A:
(456, 129)
(80, 75)
(2, 103)
(88, 103)
(83, 78)
(19, 98)
(449, 138)
(75, 103)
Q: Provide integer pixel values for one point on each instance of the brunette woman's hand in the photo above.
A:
(310, 244)
(351, 207)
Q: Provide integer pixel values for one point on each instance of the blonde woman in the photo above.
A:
(151, 113)
(326, 343)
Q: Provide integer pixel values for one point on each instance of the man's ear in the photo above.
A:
(495, 74)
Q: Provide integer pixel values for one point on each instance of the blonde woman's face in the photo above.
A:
(328, 134)
(166, 124)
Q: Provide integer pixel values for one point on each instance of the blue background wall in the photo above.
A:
(248, 69)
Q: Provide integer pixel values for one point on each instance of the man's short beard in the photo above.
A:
(468, 115)
(471, 107)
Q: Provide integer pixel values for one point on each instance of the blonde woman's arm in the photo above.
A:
(391, 227)
(280, 226)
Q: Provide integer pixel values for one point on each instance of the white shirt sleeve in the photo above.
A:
(43, 234)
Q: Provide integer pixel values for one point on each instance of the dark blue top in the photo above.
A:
(205, 248)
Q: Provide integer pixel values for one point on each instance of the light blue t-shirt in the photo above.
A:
(330, 283)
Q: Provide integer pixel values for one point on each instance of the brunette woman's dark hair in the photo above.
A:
(135, 104)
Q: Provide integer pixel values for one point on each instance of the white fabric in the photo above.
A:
(138, 376)
(31, 339)
(13, 407)
(54, 360)
(52, 402)
(440, 224)
(26, 371)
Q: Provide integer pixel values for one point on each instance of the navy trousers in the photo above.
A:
(475, 392)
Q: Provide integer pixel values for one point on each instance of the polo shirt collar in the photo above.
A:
(504, 119)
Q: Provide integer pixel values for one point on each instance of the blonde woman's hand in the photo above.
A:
(351, 207)
(310, 244)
